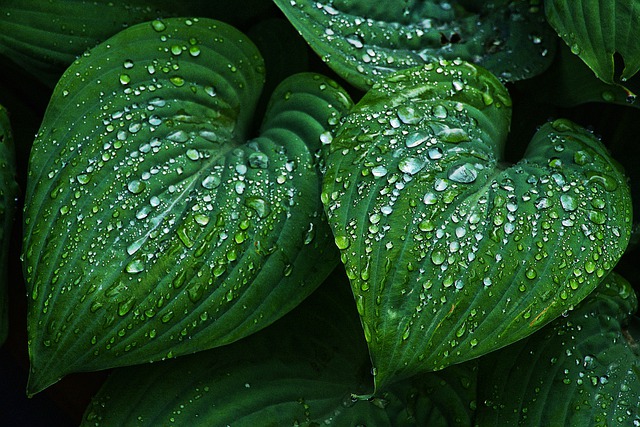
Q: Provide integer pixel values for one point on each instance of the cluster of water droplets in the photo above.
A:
(366, 41)
(156, 205)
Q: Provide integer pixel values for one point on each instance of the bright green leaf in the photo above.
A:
(8, 194)
(365, 41)
(597, 30)
(581, 370)
(451, 253)
(155, 225)
(301, 371)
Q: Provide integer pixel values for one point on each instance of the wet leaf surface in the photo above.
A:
(156, 224)
(452, 253)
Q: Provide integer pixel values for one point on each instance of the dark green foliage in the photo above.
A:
(199, 169)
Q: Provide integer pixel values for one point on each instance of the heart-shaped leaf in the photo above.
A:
(597, 31)
(8, 193)
(153, 226)
(365, 41)
(581, 370)
(300, 371)
(450, 252)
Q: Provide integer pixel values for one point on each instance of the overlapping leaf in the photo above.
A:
(155, 225)
(365, 41)
(597, 30)
(450, 252)
(299, 372)
(8, 192)
(44, 37)
(581, 370)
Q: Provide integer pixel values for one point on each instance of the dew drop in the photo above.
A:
(259, 205)
(342, 242)
(135, 266)
(408, 115)
(465, 173)
(158, 25)
(416, 138)
(411, 165)
(379, 171)
(568, 203)
(178, 136)
(136, 186)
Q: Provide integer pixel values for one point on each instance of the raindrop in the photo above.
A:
(453, 135)
(416, 138)
(437, 257)
(465, 173)
(568, 203)
(379, 171)
(411, 165)
(258, 160)
(135, 266)
(136, 186)
(178, 136)
(408, 115)
(158, 25)
(326, 137)
(342, 242)
(440, 111)
(597, 217)
(259, 205)
(125, 79)
(211, 182)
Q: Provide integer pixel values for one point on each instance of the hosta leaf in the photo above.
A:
(450, 252)
(300, 371)
(8, 193)
(581, 370)
(365, 41)
(45, 37)
(569, 82)
(155, 225)
(597, 31)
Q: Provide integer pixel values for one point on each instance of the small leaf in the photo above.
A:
(8, 194)
(365, 41)
(451, 253)
(155, 225)
(569, 82)
(578, 371)
(301, 371)
(597, 31)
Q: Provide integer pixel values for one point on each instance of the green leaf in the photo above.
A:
(8, 194)
(452, 253)
(569, 82)
(155, 225)
(300, 371)
(597, 31)
(581, 370)
(45, 37)
(365, 41)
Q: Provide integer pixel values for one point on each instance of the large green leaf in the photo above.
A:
(365, 41)
(581, 370)
(8, 193)
(44, 37)
(597, 30)
(301, 371)
(154, 224)
(451, 253)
